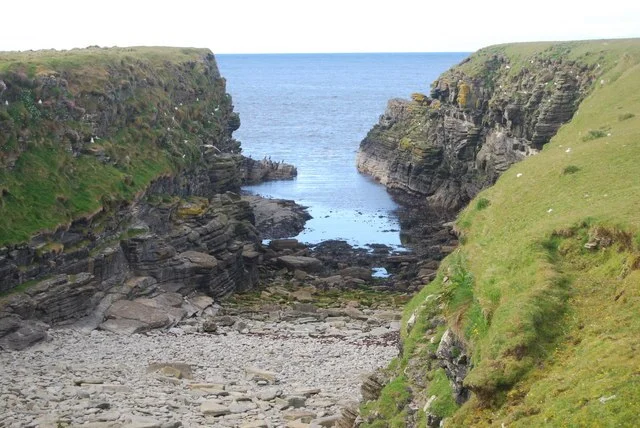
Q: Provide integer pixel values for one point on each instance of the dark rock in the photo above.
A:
(254, 172)
(446, 152)
(17, 334)
(372, 386)
(453, 358)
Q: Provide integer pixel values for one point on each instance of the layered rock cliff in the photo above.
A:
(117, 173)
(490, 111)
(525, 323)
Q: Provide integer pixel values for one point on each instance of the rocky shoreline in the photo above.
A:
(268, 366)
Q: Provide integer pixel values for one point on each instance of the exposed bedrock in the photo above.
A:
(445, 148)
(258, 171)
(155, 127)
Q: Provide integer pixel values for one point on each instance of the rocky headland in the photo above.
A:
(479, 118)
(515, 148)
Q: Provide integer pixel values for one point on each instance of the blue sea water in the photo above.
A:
(313, 110)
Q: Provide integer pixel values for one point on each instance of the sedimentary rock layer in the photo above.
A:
(490, 111)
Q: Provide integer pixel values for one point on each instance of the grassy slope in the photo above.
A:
(552, 326)
(48, 185)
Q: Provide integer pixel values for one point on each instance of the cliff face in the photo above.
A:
(490, 111)
(115, 172)
(526, 322)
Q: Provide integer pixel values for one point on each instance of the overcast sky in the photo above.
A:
(279, 26)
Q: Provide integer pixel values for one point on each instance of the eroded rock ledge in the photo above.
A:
(481, 116)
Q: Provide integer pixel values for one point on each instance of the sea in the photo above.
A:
(313, 110)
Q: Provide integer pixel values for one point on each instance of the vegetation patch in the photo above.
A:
(594, 134)
(570, 169)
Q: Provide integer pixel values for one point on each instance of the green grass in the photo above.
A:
(551, 325)
(42, 61)
(389, 410)
(549, 285)
(51, 174)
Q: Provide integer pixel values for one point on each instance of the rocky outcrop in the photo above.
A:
(482, 116)
(452, 356)
(277, 218)
(155, 126)
(254, 171)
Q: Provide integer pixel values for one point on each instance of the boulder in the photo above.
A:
(307, 264)
(17, 334)
(284, 244)
(127, 317)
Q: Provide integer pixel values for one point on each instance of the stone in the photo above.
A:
(147, 317)
(213, 408)
(296, 401)
(225, 321)
(356, 272)
(269, 394)
(305, 416)
(143, 422)
(307, 264)
(302, 296)
(255, 424)
(355, 313)
(452, 356)
(297, 424)
(255, 373)
(300, 275)
(284, 244)
(242, 406)
(326, 421)
(307, 392)
(17, 334)
(209, 325)
(372, 386)
(177, 370)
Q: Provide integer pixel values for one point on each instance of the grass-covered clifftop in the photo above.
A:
(544, 291)
(83, 128)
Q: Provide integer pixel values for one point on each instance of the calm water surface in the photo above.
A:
(313, 110)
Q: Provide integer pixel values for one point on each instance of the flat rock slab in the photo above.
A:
(259, 374)
(307, 264)
(213, 408)
(148, 316)
(177, 370)
(200, 259)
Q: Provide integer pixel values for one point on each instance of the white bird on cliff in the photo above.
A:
(6, 102)
(91, 140)
(176, 108)
(40, 102)
(549, 210)
(183, 156)
(518, 175)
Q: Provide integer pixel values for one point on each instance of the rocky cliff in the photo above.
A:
(490, 111)
(117, 173)
(528, 322)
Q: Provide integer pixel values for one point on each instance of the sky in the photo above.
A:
(287, 26)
